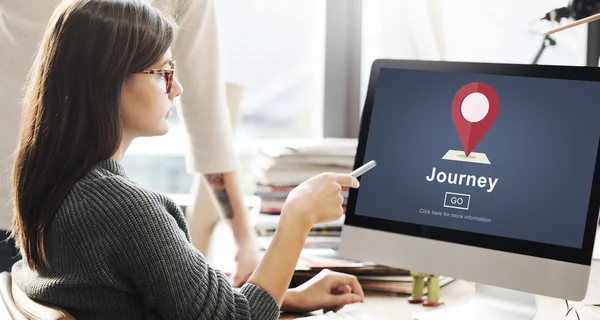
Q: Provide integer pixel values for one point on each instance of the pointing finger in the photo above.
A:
(344, 180)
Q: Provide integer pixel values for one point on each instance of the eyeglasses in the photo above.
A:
(167, 73)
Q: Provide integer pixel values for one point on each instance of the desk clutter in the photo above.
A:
(283, 164)
(320, 252)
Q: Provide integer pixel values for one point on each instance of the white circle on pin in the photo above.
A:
(475, 107)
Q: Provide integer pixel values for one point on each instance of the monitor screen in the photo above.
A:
(497, 155)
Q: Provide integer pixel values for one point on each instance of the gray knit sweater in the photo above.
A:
(119, 251)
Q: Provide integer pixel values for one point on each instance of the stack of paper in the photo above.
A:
(283, 164)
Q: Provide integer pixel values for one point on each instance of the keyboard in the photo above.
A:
(342, 315)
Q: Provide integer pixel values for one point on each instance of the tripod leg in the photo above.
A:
(539, 53)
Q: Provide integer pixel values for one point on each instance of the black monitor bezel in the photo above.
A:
(581, 256)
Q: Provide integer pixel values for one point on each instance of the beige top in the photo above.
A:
(203, 103)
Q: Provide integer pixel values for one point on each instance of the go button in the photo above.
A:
(457, 200)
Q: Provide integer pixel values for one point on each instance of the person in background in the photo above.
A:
(206, 117)
(93, 241)
(203, 109)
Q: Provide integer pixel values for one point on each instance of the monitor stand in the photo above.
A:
(490, 303)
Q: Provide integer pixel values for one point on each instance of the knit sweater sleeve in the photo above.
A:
(150, 250)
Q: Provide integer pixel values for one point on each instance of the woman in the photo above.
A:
(97, 244)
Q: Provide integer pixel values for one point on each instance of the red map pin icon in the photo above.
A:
(474, 109)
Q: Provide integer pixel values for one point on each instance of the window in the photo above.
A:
(464, 30)
(274, 50)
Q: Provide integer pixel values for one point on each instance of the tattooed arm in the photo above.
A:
(229, 194)
(225, 187)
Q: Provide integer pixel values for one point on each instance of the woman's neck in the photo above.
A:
(125, 142)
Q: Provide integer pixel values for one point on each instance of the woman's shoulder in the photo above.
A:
(101, 184)
(106, 202)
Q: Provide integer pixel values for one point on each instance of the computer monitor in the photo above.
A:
(485, 172)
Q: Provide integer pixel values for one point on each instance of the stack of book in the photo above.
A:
(273, 197)
(281, 165)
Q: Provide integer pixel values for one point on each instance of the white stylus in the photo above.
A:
(364, 168)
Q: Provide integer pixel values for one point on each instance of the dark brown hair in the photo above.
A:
(71, 106)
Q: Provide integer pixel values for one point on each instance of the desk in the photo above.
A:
(457, 292)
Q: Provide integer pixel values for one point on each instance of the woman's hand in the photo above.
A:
(246, 261)
(318, 199)
(328, 290)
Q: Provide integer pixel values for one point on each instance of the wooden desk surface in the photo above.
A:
(457, 292)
